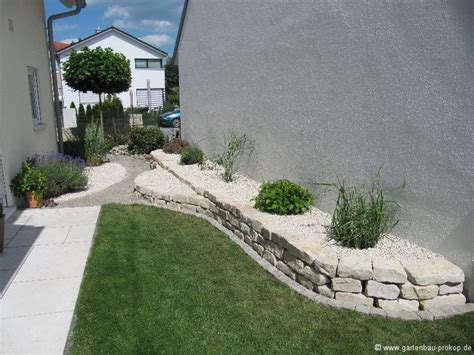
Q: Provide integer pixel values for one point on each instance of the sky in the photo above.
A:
(154, 21)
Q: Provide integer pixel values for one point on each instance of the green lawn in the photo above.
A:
(159, 281)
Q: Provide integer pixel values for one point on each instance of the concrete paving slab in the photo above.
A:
(26, 328)
(39, 236)
(41, 271)
(54, 261)
(40, 297)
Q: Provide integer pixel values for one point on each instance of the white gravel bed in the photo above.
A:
(164, 182)
(242, 190)
(311, 225)
(100, 178)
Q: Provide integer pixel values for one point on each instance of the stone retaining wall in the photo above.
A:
(423, 289)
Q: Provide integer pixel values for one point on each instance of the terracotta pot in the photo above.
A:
(2, 232)
(34, 200)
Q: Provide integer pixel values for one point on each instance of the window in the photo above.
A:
(34, 95)
(148, 63)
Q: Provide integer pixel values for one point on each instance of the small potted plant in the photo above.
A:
(29, 182)
(2, 227)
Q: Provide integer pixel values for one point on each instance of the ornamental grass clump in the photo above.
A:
(64, 173)
(361, 218)
(235, 147)
(192, 155)
(94, 146)
(283, 197)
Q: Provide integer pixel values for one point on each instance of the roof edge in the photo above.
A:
(112, 28)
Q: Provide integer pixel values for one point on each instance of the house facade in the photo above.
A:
(146, 61)
(27, 123)
(340, 88)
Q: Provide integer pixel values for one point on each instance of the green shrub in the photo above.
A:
(81, 122)
(192, 155)
(94, 147)
(362, 217)
(283, 197)
(28, 179)
(174, 146)
(63, 173)
(144, 140)
(89, 113)
(74, 147)
(234, 148)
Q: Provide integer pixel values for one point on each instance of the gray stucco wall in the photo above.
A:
(332, 88)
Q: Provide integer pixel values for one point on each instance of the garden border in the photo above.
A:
(300, 269)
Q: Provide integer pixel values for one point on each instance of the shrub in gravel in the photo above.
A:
(174, 146)
(362, 217)
(283, 197)
(192, 155)
(64, 173)
(144, 140)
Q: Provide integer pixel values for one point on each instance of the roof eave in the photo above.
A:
(112, 28)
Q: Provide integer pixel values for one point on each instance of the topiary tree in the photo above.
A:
(99, 70)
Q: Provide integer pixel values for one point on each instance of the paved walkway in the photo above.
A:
(41, 270)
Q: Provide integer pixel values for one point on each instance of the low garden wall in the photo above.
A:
(413, 289)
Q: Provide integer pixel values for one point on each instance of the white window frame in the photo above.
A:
(35, 100)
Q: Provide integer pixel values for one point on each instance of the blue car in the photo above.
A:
(171, 119)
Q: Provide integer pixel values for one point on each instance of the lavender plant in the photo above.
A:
(64, 173)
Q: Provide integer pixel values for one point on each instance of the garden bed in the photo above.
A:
(100, 178)
(396, 277)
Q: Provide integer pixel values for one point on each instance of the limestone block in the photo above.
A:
(356, 267)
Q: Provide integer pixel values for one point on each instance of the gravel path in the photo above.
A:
(120, 192)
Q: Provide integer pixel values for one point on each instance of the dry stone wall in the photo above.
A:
(421, 289)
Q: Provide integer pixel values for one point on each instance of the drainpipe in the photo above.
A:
(80, 4)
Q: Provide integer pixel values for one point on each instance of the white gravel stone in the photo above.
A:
(380, 290)
(443, 301)
(354, 298)
(414, 292)
(346, 285)
(356, 267)
(100, 178)
(433, 271)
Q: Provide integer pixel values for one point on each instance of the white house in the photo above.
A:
(27, 122)
(146, 63)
